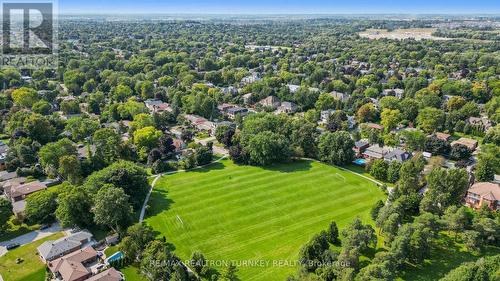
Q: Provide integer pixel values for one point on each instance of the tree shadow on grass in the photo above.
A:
(445, 256)
(290, 167)
(209, 168)
(158, 202)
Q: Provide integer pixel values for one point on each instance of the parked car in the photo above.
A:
(12, 246)
(44, 226)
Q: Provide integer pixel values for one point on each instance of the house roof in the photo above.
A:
(470, 143)
(398, 155)
(4, 175)
(107, 275)
(52, 249)
(27, 188)
(374, 126)
(487, 190)
(63, 264)
(442, 136)
(70, 270)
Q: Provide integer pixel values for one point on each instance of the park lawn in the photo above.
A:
(448, 255)
(243, 213)
(131, 273)
(31, 269)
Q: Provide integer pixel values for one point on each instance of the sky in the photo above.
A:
(280, 6)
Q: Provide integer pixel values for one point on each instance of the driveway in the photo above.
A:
(216, 149)
(30, 237)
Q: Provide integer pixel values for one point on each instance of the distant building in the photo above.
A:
(397, 155)
(339, 96)
(393, 92)
(442, 136)
(201, 123)
(247, 98)
(234, 111)
(469, 143)
(271, 101)
(293, 88)
(374, 126)
(287, 107)
(483, 193)
(482, 122)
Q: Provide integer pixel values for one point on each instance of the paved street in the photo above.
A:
(30, 237)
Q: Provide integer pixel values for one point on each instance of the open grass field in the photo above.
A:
(242, 213)
(31, 269)
(400, 34)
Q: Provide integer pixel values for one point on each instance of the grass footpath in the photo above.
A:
(31, 269)
(256, 215)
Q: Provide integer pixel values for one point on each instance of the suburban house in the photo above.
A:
(373, 126)
(482, 122)
(442, 136)
(85, 151)
(374, 152)
(235, 111)
(6, 176)
(325, 114)
(3, 155)
(339, 96)
(232, 110)
(397, 155)
(270, 101)
(287, 107)
(254, 77)
(19, 192)
(393, 92)
(108, 275)
(483, 193)
(247, 98)
(293, 88)
(469, 143)
(201, 123)
(73, 266)
(51, 250)
(360, 146)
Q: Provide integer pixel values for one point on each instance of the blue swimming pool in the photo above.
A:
(114, 257)
(360, 161)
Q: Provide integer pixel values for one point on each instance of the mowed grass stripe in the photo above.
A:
(235, 212)
(190, 207)
(308, 210)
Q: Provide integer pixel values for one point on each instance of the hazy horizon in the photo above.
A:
(281, 7)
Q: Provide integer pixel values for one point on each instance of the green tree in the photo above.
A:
(336, 148)
(25, 97)
(430, 119)
(41, 207)
(137, 237)
(129, 176)
(485, 168)
(367, 113)
(73, 208)
(378, 169)
(50, 154)
(81, 128)
(5, 211)
(108, 145)
(267, 147)
(112, 207)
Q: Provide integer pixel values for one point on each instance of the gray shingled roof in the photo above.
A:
(53, 249)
